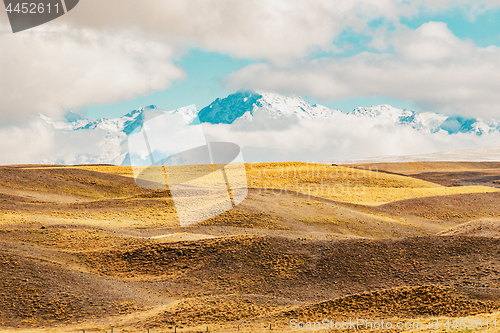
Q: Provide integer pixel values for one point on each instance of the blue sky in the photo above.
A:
(205, 70)
(483, 29)
(424, 55)
(440, 56)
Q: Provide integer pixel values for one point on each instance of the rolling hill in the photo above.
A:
(82, 247)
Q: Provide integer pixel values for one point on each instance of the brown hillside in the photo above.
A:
(307, 270)
(406, 302)
(460, 207)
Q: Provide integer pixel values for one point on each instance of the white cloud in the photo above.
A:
(257, 29)
(430, 66)
(341, 137)
(272, 30)
(471, 8)
(113, 50)
(47, 73)
(26, 144)
(39, 142)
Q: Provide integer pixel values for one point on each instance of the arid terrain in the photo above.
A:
(85, 248)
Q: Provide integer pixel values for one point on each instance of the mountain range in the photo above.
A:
(245, 106)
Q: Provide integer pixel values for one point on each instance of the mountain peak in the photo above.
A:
(227, 110)
(382, 110)
(247, 104)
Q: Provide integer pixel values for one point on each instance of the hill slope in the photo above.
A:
(84, 248)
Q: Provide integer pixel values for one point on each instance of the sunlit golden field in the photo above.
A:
(345, 184)
(339, 183)
(86, 248)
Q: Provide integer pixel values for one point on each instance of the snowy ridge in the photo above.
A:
(277, 106)
(110, 135)
(426, 121)
(429, 122)
(247, 104)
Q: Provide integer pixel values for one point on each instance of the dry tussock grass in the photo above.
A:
(71, 240)
(405, 302)
(348, 185)
(217, 309)
(363, 186)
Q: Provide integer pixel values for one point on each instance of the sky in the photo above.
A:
(107, 58)
(440, 56)
(205, 70)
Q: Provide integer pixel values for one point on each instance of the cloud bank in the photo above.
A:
(115, 50)
(340, 137)
(110, 51)
(38, 142)
(49, 73)
(429, 66)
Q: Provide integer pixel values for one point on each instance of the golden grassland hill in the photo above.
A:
(307, 270)
(218, 309)
(95, 259)
(464, 207)
(70, 240)
(247, 313)
(129, 205)
(346, 184)
(69, 181)
(340, 183)
(443, 173)
(56, 195)
(405, 302)
(240, 278)
(477, 228)
(36, 293)
(410, 168)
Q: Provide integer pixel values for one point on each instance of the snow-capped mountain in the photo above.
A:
(245, 105)
(429, 122)
(110, 135)
(425, 121)
(126, 124)
(248, 103)
(107, 138)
